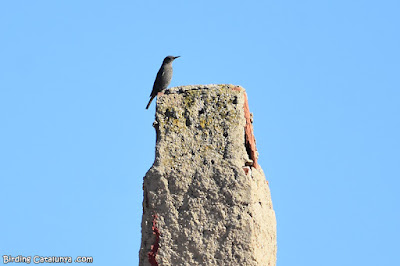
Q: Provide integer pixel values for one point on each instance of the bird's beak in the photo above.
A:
(176, 57)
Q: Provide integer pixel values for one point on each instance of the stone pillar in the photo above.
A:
(206, 200)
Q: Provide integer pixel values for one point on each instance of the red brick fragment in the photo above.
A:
(246, 169)
(154, 248)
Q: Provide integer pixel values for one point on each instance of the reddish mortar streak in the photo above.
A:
(154, 248)
(250, 140)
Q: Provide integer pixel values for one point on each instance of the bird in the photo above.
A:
(163, 78)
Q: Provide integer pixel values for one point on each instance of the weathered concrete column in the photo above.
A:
(206, 200)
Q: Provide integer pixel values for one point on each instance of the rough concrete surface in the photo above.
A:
(206, 200)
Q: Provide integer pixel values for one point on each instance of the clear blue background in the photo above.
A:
(75, 139)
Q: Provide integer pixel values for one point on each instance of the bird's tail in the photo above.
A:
(151, 99)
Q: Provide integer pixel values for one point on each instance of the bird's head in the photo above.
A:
(169, 59)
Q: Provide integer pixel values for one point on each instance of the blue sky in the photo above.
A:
(322, 79)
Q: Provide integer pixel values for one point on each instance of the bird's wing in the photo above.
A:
(157, 82)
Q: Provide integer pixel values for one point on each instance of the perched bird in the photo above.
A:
(163, 78)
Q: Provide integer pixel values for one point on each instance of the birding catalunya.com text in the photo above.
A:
(43, 259)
